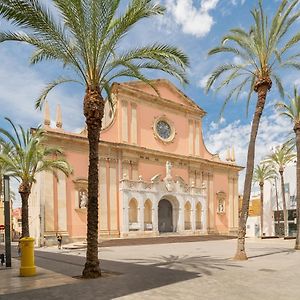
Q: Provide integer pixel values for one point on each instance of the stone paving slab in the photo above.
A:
(11, 282)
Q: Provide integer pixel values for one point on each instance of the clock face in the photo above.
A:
(163, 129)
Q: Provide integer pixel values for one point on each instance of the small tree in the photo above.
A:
(27, 156)
(262, 173)
(291, 110)
(279, 159)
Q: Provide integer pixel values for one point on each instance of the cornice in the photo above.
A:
(142, 151)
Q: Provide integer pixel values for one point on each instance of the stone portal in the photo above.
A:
(165, 216)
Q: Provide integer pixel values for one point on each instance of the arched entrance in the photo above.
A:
(165, 216)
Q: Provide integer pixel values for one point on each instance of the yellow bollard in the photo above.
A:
(27, 257)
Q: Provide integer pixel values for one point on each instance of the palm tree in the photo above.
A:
(262, 173)
(86, 36)
(258, 53)
(280, 158)
(26, 158)
(292, 111)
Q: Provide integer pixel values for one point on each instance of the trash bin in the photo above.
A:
(27, 257)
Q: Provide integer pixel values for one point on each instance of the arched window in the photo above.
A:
(133, 214)
(148, 215)
(187, 216)
(198, 216)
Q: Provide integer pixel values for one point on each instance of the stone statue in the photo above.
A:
(83, 199)
(168, 169)
(221, 206)
(168, 179)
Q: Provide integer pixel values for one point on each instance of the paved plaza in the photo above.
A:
(187, 270)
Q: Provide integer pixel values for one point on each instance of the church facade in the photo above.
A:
(155, 173)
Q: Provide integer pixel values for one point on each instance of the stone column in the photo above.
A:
(125, 215)
(204, 217)
(180, 226)
(193, 215)
(141, 214)
(211, 208)
(155, 216)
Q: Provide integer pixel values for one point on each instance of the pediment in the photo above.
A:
(167, 90)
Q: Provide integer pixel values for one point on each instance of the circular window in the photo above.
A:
(163, 129)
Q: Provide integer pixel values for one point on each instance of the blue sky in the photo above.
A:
(193, 26)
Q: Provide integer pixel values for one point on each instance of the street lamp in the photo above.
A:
(7, 221)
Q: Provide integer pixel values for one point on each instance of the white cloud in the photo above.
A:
(193, 20)
(273, 131)
(215, 125)
(21, 84)
(203, 81)
(236, 2)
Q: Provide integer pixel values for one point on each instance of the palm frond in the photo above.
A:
(40, 101)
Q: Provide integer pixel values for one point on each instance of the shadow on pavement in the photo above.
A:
(270, 251)
(199, 264)
(134, 276)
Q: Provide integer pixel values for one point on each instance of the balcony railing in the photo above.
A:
(198, 225)
(187, 225)
(148, 226)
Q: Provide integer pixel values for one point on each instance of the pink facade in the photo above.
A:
(151, 150)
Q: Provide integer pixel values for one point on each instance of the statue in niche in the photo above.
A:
(221, 206)
(83, 199)
(221, 196)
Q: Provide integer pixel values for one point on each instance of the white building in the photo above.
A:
(270, 203)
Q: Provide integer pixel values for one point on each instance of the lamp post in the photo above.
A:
(7, 221)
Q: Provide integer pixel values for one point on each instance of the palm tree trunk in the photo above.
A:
(297, 131)
(261, 185)
(93, 111)
(262, 89)
(24, 191)
(277, 207)
(285, 216)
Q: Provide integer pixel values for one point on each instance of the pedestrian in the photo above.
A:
(59, 240)
(19, 246)
(2, 259)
